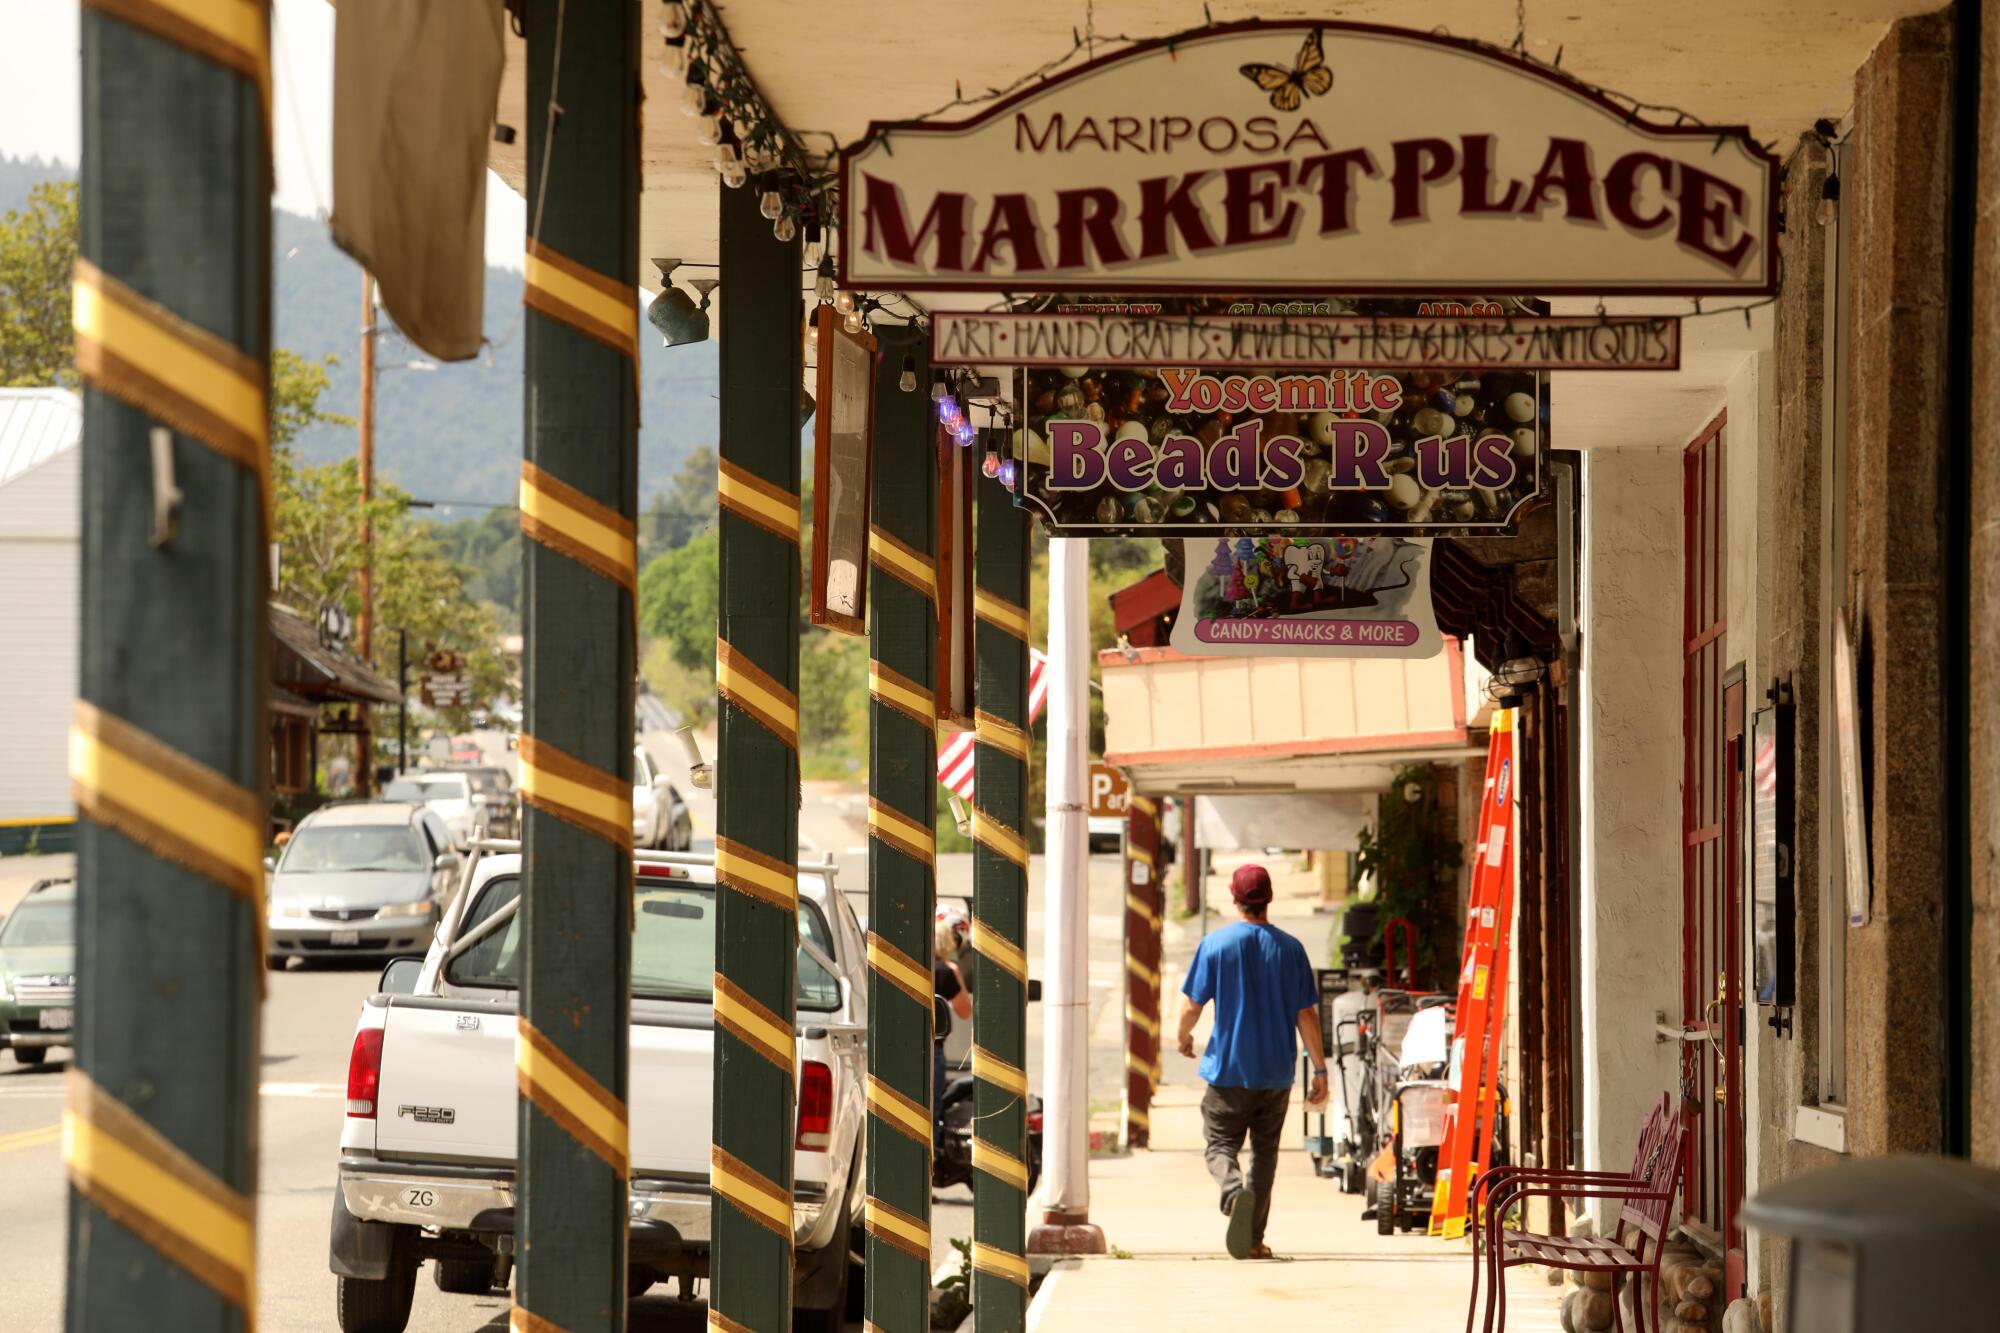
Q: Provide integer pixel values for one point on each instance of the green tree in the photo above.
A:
(677, 602)
(37, 257)
(684, 510)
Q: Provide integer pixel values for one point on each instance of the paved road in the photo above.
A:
(308, 1027)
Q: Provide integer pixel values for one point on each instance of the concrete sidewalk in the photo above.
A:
(1333, 1271)
(1159, 1209)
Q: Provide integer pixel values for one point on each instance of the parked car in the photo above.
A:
(360, 877)
(38, 971)
(427, 1152)
(660, 818)
(448, 792)
(496, 806)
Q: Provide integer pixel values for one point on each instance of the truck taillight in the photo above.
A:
(364, 1073)
(815, 1106)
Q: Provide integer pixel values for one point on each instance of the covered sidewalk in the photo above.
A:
(1167, 1270)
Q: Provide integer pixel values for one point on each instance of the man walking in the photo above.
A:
(1264, 993)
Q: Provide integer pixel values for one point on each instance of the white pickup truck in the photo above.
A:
(427, 1154)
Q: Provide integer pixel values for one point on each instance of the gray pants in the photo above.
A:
(1227, 1114)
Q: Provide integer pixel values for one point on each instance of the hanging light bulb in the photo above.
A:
(735, 175)
(771, 205)
(708, 130)
(726, 153)
(963, 432)
(785, 229)
(815, 252)
(824, 287)
(853, 322)
(674, 64)
(843, 301)
(937, 391)
(695, 100)
(1007, 473)
(991, 465)
(674, 20)
(907, 382)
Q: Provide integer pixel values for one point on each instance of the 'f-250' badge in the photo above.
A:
(429, 1115)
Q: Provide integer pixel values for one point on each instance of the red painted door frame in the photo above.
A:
(1712, 729)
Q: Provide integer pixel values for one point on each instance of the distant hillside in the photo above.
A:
(454, 433)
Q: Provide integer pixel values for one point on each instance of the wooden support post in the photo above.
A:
(1192, 878)
(902, 840)
(1000, 914)
(1144, 903)
(170, 748)
(757, 772)
(579, 500)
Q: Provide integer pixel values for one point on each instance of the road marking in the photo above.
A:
(30, 1138)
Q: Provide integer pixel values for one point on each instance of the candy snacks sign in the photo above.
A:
(1286, 596)
(1181, 450)
(1366, 160)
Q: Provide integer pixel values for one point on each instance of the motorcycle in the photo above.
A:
(951, 1161)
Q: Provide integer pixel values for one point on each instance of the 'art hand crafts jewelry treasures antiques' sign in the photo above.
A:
(1317, 156)
(1283, 596)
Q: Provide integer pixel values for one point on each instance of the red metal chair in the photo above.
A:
(1650, 1184)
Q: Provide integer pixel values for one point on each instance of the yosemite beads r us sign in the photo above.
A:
(1309, 156)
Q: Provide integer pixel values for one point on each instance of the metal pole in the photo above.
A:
(1066, 915)
(1191, 876)
(757, 767)
(1000, 913)
(364, 741)
(578, 502)
(402, 700)
(902, 841)
(1143, 902)
(170, 748)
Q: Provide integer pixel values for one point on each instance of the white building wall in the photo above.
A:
(1629, 688)
(39, 625)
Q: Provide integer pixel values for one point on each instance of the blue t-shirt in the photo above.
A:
(1259, 979)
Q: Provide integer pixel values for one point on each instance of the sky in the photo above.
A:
(41, 113)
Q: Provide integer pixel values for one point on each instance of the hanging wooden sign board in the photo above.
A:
(1303, 155)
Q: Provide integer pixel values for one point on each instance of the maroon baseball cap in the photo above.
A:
(1250, 886)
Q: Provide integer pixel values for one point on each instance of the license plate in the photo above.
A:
(344, 937)
(57, 1020)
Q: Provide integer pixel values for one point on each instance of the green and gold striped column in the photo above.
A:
(757, 775)
(578, 499)
(902, 840)
(169, 748)
(1143, 902)
(1000, 913)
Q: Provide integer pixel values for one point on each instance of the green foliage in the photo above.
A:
(677, 602)
(684, 510)
(488, 550)
(1411, 854)
(37, 256)
(417, 588)
(689, 693)
(833, 689)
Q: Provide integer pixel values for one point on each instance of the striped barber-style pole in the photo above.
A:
(757, 774)
(578, 498)
(999, 914)
(168, 746)
(902, 840)
(1143, 907)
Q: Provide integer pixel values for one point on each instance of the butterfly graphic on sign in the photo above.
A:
(1290, 87)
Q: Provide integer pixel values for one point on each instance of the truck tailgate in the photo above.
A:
(448, 1089)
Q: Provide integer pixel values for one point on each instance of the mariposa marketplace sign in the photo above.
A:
(1309, 156)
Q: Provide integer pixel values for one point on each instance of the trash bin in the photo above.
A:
(1899, 1244)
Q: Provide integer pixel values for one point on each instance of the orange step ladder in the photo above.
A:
(1480, 1018)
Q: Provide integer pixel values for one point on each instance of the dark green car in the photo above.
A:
(38, 971)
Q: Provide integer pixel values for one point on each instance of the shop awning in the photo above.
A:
(316, 671)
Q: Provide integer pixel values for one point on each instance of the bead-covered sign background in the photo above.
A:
(1180, 450)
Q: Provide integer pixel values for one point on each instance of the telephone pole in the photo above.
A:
(364, 777)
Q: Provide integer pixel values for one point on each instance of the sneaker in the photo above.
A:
(1242, 1216)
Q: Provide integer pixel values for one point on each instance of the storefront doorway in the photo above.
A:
(1712, 730)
